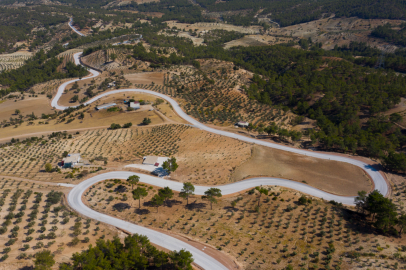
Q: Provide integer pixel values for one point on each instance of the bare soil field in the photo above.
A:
(201, 26)
(146, 78)
(257, 40)
(278, 233)
(331, 176)
(29, 225)
(30, 104)
(337, 31)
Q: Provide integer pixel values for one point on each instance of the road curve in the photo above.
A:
(75, 201)
(74, 29)
(202, 259)
(377, 178)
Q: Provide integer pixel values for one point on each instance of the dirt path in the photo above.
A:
(30, 180)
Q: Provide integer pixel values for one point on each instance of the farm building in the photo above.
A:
(155, 161)
(105, 106)
(71, 160)
(242, 124)
(135, 105)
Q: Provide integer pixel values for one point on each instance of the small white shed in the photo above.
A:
(135, 105)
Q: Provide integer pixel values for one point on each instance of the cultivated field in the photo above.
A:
(34, 217)
(278, 233)
(13, 60)
(203, 158)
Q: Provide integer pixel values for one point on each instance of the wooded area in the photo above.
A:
(136, 253)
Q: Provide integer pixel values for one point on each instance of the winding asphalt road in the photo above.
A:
(202, 259)
(74, 29)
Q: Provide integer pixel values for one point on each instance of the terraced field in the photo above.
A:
(13, 61)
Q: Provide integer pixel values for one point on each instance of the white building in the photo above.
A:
(135, 105)
(242, 124)
(71, 160)
(155, 161)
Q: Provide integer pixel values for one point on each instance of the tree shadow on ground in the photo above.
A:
(142, 211)
(194, 205)
(170, 203)
(121, 206)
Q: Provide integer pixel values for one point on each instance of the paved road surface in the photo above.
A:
(74, 29)
(163, 240)
(205, 261)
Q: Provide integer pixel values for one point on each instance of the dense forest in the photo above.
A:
(17, 24)
(298, 11)
(286, 13)
(136, 253)
(391, 35)
(41, 68)
(336, 93)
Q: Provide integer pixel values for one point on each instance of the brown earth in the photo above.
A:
(28, 105)
(331, 176)
(146, 78)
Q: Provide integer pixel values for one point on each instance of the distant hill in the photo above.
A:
(288, 12)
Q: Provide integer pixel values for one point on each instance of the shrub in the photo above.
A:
(75, 241)
(127, 125)
(22, 256)
(54, 197)
(115, 126)
(146, 121)
(3, 230)
(51, 235)
(11, 242)
(28, 239)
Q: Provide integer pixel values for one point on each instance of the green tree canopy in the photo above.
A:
(157, 201)
(139, 193)
(44, 260)
(211, 195)
(170, 165)
(133, 180)
(165, 193)
(261, 191)
(187, 191)
(136, 253)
